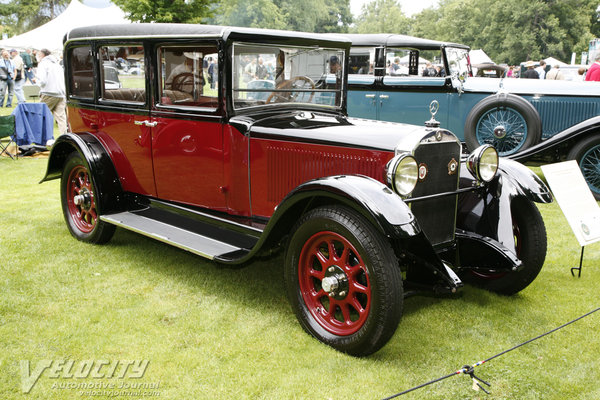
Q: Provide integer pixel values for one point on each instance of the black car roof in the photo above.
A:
(196, 30)
(395, 40)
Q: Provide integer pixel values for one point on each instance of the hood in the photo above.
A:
(331, 129)
(531, 87)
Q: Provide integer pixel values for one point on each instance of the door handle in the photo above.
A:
(146, 123)
(370, 96)
(384, 96)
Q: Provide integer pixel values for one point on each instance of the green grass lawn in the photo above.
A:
(212, 333)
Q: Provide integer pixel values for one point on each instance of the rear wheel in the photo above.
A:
(587, 155)
(343, 280)
(530, 243)
(80, 202)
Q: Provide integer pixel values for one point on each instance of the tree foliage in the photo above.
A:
(382, 16)
(306, 15)
(177, 11)
(508, 31)
(19, 16)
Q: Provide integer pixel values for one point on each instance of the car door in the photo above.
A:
(187, 131)
(123, 115)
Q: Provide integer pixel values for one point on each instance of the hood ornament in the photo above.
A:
(434, 106)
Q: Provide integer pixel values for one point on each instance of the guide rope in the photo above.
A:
(469, 369)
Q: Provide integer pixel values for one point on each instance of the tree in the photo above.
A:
(306, 15)
(18, 16)
(382, 16)
(178, 11)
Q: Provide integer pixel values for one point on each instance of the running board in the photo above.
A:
(184, 239)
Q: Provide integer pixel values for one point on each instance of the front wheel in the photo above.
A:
(508, 122)
(81, 203)
(587, 155)
(530, 243)
(343, 280)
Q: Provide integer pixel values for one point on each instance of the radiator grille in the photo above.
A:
(437, 217)
(558, 115)
(289, 167)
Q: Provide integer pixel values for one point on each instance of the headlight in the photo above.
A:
(402, 174)
(483, 162)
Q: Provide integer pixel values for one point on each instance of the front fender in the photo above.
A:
(487, 211)
(102, 171)
(378, 203)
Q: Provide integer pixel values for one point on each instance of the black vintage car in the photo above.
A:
(258, 160)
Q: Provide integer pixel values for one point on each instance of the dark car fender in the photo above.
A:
(487, 211)
(381, 206)
(102, 171)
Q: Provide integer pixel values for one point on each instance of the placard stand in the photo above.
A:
(580, 264)
(576, 202)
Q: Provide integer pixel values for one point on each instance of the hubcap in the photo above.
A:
(334, 283)
(504, 128)
(499, 132)
(80, 200)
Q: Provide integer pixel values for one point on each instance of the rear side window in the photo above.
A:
(123, 73)
(82, 72)
(188, 76)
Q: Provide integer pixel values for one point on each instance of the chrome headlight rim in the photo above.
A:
(483, 163)
(402, 166)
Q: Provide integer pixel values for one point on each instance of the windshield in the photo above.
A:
(265, 74)
(458, 62)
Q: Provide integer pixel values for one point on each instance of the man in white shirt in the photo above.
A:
(51, 79)
(541, 70)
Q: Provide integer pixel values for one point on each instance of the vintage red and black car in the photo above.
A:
(232, 143)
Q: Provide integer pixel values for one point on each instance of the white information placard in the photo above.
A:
(575, 200)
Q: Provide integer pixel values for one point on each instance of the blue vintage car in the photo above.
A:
(395, 78)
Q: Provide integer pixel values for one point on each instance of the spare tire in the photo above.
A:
(508, 122)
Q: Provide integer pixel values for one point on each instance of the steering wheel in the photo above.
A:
(185, 79)
(296, 82)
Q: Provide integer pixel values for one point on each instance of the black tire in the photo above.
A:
(365, 318)
(83, 220)
(531, 244)
(508, 122)
(587, 154)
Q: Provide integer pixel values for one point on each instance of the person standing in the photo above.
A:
(530, 73)
(26, 56)
(19, 75)
(7, 82)
(593, 73)
(51, 79)
(555, 73)
(541, 70)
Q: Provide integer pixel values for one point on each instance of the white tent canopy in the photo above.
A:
(478, 56)
(551, 61)
(51, 34)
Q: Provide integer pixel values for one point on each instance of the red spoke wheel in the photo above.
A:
(343, 280)
(530, 244)
(80, 202)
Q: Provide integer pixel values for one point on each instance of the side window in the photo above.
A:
(82, 72)
(123, 76)
(188, 76)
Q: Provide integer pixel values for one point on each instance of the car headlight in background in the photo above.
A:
(402, 174)
(483, 162)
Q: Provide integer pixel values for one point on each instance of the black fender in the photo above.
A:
(487, 211)
(558, 146)
(380, 205)
(103, 173)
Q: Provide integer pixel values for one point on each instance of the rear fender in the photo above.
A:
(102, 171)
